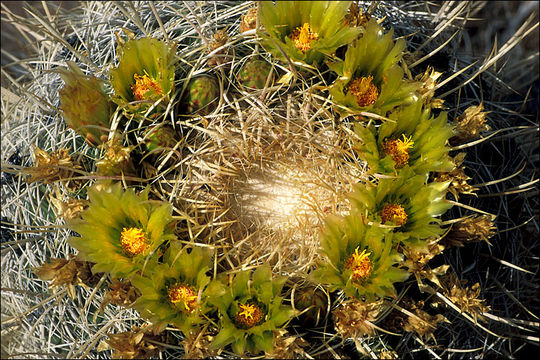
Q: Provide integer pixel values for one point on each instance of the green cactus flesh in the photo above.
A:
(254, 74)
(157, 137)
(202, 95)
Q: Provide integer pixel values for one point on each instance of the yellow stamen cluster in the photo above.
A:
(184, 295)
(133, 241)
(360, 265)
(144, 84)
(248, 316)
(394, 213)
(399, 150)
(302, 36)
(365, 91)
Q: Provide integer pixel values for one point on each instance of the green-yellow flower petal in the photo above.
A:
(109, 232)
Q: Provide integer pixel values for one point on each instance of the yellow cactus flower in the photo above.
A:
(184, 295)
(394, 213)
(302, 36)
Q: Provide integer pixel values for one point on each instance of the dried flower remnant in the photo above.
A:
(394, 213)
(116, 160)
(416, 262)
(399, 150)
(365, 91)
(248, 21)
(197, 345)
(356, 16)
(388, 355)
(132, 344)
(220, 38)
(70, 209)
(121, 293)
(68, 273)
(355, 318)
(458, 179)
(286, 346)
(470, 124)
(429, 80)
(421, 322)
(302, 36)
(466, 298)
(50, 167)
(474, 229)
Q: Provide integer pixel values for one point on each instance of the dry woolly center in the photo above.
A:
(183, 295)
(302, 36)
(365, 91)
(133, 241)
(399, 150)
(248, 316)
(360, 265)
(394, 213)
(143, 85)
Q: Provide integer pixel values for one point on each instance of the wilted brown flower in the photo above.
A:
(388, 354)
(473, 229)
(466, 298)
(197, 345)
(69, 209)
(286, 347)
(248, 21)
(131, 344)
(120, 293)
(457, 177)
(356, 16)
(416, 263)
(220, 38)
(423, 323)
(470, 124)
(354, 318)
(411, 317)
(427, 90)
(50, 167)
(68, 273)
(116, 160)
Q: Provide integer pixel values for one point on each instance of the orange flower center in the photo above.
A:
(399, 150)
(360, 265)
(248, 316)
(133, 241)
(302, 36)
(183, 295)
(394, 213)
(366, 93)
(145, 87)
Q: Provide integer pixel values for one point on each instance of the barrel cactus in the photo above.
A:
(236, 213)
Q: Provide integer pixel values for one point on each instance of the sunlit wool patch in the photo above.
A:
(267, 185)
